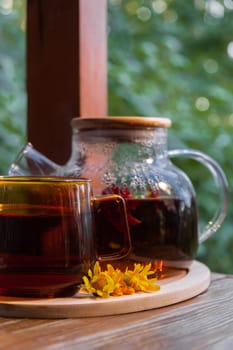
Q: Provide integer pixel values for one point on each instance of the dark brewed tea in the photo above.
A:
(42, 251)
(162, 228)
(111, 228)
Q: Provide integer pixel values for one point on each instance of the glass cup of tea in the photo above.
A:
(51, 231)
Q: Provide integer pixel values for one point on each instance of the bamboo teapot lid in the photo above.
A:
(120, 122)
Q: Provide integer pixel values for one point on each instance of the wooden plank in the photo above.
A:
(66, 69)
(93, 57)
(204, 322)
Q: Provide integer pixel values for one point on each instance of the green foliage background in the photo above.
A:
(12, 81)
(166, 58)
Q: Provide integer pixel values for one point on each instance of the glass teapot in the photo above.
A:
(129, 156)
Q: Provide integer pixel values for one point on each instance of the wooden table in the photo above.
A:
(204, 322)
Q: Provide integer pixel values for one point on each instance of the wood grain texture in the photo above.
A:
(93, 58)
(66, 70)
(204, 322)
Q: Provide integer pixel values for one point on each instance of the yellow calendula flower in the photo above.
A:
(114, 282)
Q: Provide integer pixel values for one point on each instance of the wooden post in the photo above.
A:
(66, 69)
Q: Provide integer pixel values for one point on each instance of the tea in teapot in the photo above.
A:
(129, 156)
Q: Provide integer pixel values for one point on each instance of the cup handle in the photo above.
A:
(110, 215)
(220, 182)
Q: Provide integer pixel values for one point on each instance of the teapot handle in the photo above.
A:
(220, 182)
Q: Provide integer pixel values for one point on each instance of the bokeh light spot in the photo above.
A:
(215, 8)
(144, 13)
(202, 103)
(228, 4)
(159, 6)
(170, 16)
(210, 66)
(132, 7)
(6, 6)
(230, 49)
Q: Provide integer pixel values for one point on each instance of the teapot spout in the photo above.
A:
(29, 161)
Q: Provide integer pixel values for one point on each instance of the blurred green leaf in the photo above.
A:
(12, 81)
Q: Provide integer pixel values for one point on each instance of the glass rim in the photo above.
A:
(43, 179)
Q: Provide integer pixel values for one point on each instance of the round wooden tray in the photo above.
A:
(179, 286)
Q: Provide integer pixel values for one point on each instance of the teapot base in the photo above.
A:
(162, 268)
